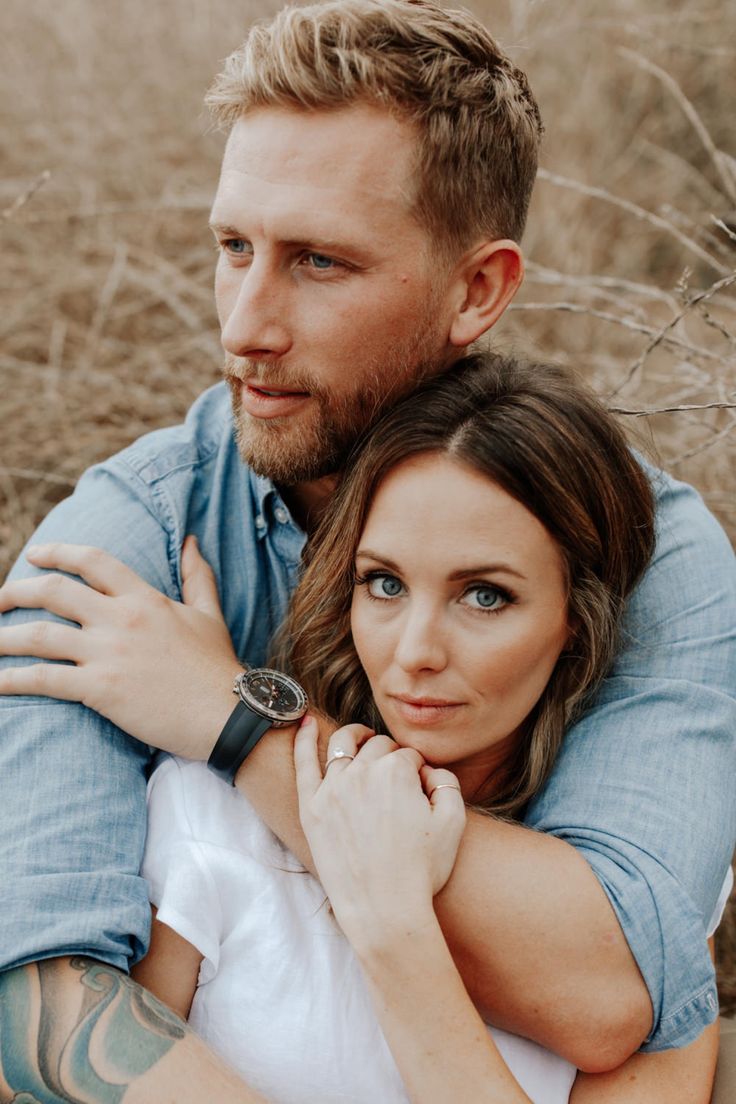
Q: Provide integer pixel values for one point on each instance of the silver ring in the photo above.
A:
(339, 754)
(443, 786)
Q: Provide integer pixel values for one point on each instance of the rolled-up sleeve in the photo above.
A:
(72, 785)
(644, 786)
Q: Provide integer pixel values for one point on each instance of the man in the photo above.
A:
(374, 188)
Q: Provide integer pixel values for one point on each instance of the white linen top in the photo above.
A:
(280, 994)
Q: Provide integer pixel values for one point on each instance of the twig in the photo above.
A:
(540, 274)
(697, 449)
(661, 335)
(627, 323)
(30, 473)
(727, 180)
(636, 211)
(21, 200)
(671, 409)
(722, 226)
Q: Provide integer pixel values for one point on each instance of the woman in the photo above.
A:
(463, 594)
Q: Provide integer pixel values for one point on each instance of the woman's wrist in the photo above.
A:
(382, 938)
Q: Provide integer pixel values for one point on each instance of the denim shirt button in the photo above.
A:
(281, 515)
(711, 1001)
(260, 521)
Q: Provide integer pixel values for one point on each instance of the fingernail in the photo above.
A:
(306, 720)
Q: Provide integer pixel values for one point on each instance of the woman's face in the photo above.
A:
(459, 613)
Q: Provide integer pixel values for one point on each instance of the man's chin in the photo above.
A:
(284, 454)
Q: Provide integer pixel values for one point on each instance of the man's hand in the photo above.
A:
(125, 630)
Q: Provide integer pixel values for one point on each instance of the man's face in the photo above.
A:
(331, 299)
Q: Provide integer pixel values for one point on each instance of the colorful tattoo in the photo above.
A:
(49, 1053)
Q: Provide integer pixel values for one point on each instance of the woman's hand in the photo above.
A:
(383, 828)
(160, 670)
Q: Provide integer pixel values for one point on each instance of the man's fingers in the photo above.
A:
(43, 639)
(51, 680)
(199, 588)
(53, 592)
(99, 569)
(306, 761)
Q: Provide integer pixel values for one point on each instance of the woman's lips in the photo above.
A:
(270, 402)
(423, 711)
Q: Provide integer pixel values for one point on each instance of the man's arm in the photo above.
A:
(75, 1029)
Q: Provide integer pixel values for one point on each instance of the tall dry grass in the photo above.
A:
(108, 328)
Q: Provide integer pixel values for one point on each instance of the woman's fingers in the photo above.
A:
(306, 760)
(43, 639)
(441, 786)
(199, 588)
(53, 592)
(99, 569)
(342, 746)
(50, 680)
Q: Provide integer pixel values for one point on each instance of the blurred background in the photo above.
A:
(107, 327)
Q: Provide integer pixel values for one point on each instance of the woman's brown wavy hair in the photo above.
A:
(549, 443)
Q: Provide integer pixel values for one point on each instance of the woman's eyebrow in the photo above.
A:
(500, 568)
(367, 554)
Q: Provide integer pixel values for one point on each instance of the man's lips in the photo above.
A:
(270, 402)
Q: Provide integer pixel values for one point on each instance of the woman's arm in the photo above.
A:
(170, 969)
(384, 830)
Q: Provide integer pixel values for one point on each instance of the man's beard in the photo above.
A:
(290, 451)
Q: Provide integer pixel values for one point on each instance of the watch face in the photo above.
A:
(273, 694)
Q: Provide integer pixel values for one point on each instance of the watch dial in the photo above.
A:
(274, 694)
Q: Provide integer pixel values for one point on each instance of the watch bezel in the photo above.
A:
(278, 716)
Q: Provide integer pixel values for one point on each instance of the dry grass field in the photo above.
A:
(107, 326)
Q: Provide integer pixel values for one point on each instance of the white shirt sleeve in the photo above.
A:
(721, 903)
(175, 865)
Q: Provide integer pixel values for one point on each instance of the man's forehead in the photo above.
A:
(358, 147)
(303, 172)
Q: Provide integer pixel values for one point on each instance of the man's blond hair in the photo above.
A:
(476, 119)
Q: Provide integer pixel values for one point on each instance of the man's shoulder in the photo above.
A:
(205, 433)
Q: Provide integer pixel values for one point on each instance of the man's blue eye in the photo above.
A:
(319, 260)
(235, 245)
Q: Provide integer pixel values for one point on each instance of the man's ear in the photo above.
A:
(487, 280)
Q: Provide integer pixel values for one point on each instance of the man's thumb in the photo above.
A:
(198, 581)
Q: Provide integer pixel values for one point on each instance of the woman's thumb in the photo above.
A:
(198, 581)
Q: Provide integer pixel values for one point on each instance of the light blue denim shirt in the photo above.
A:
(644, 786)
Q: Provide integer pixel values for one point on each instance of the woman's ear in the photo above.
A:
(488, 279)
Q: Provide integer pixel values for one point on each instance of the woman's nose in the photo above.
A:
(254, 313)
(422, 643)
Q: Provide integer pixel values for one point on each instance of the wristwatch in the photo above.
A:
(267, 699)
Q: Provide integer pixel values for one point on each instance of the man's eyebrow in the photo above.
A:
(224, 229)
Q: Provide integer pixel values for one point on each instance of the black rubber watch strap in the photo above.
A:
(240, 735)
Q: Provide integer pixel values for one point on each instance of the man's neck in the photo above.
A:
(307, 501)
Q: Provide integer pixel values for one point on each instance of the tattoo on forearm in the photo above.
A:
(89, 1054)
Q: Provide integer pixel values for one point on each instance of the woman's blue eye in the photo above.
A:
(384, 586)
(486, 598)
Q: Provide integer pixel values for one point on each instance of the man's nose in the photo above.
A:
(255, 323)
(422, 644)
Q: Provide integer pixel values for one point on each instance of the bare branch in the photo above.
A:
(637, 212)
(21, 200)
